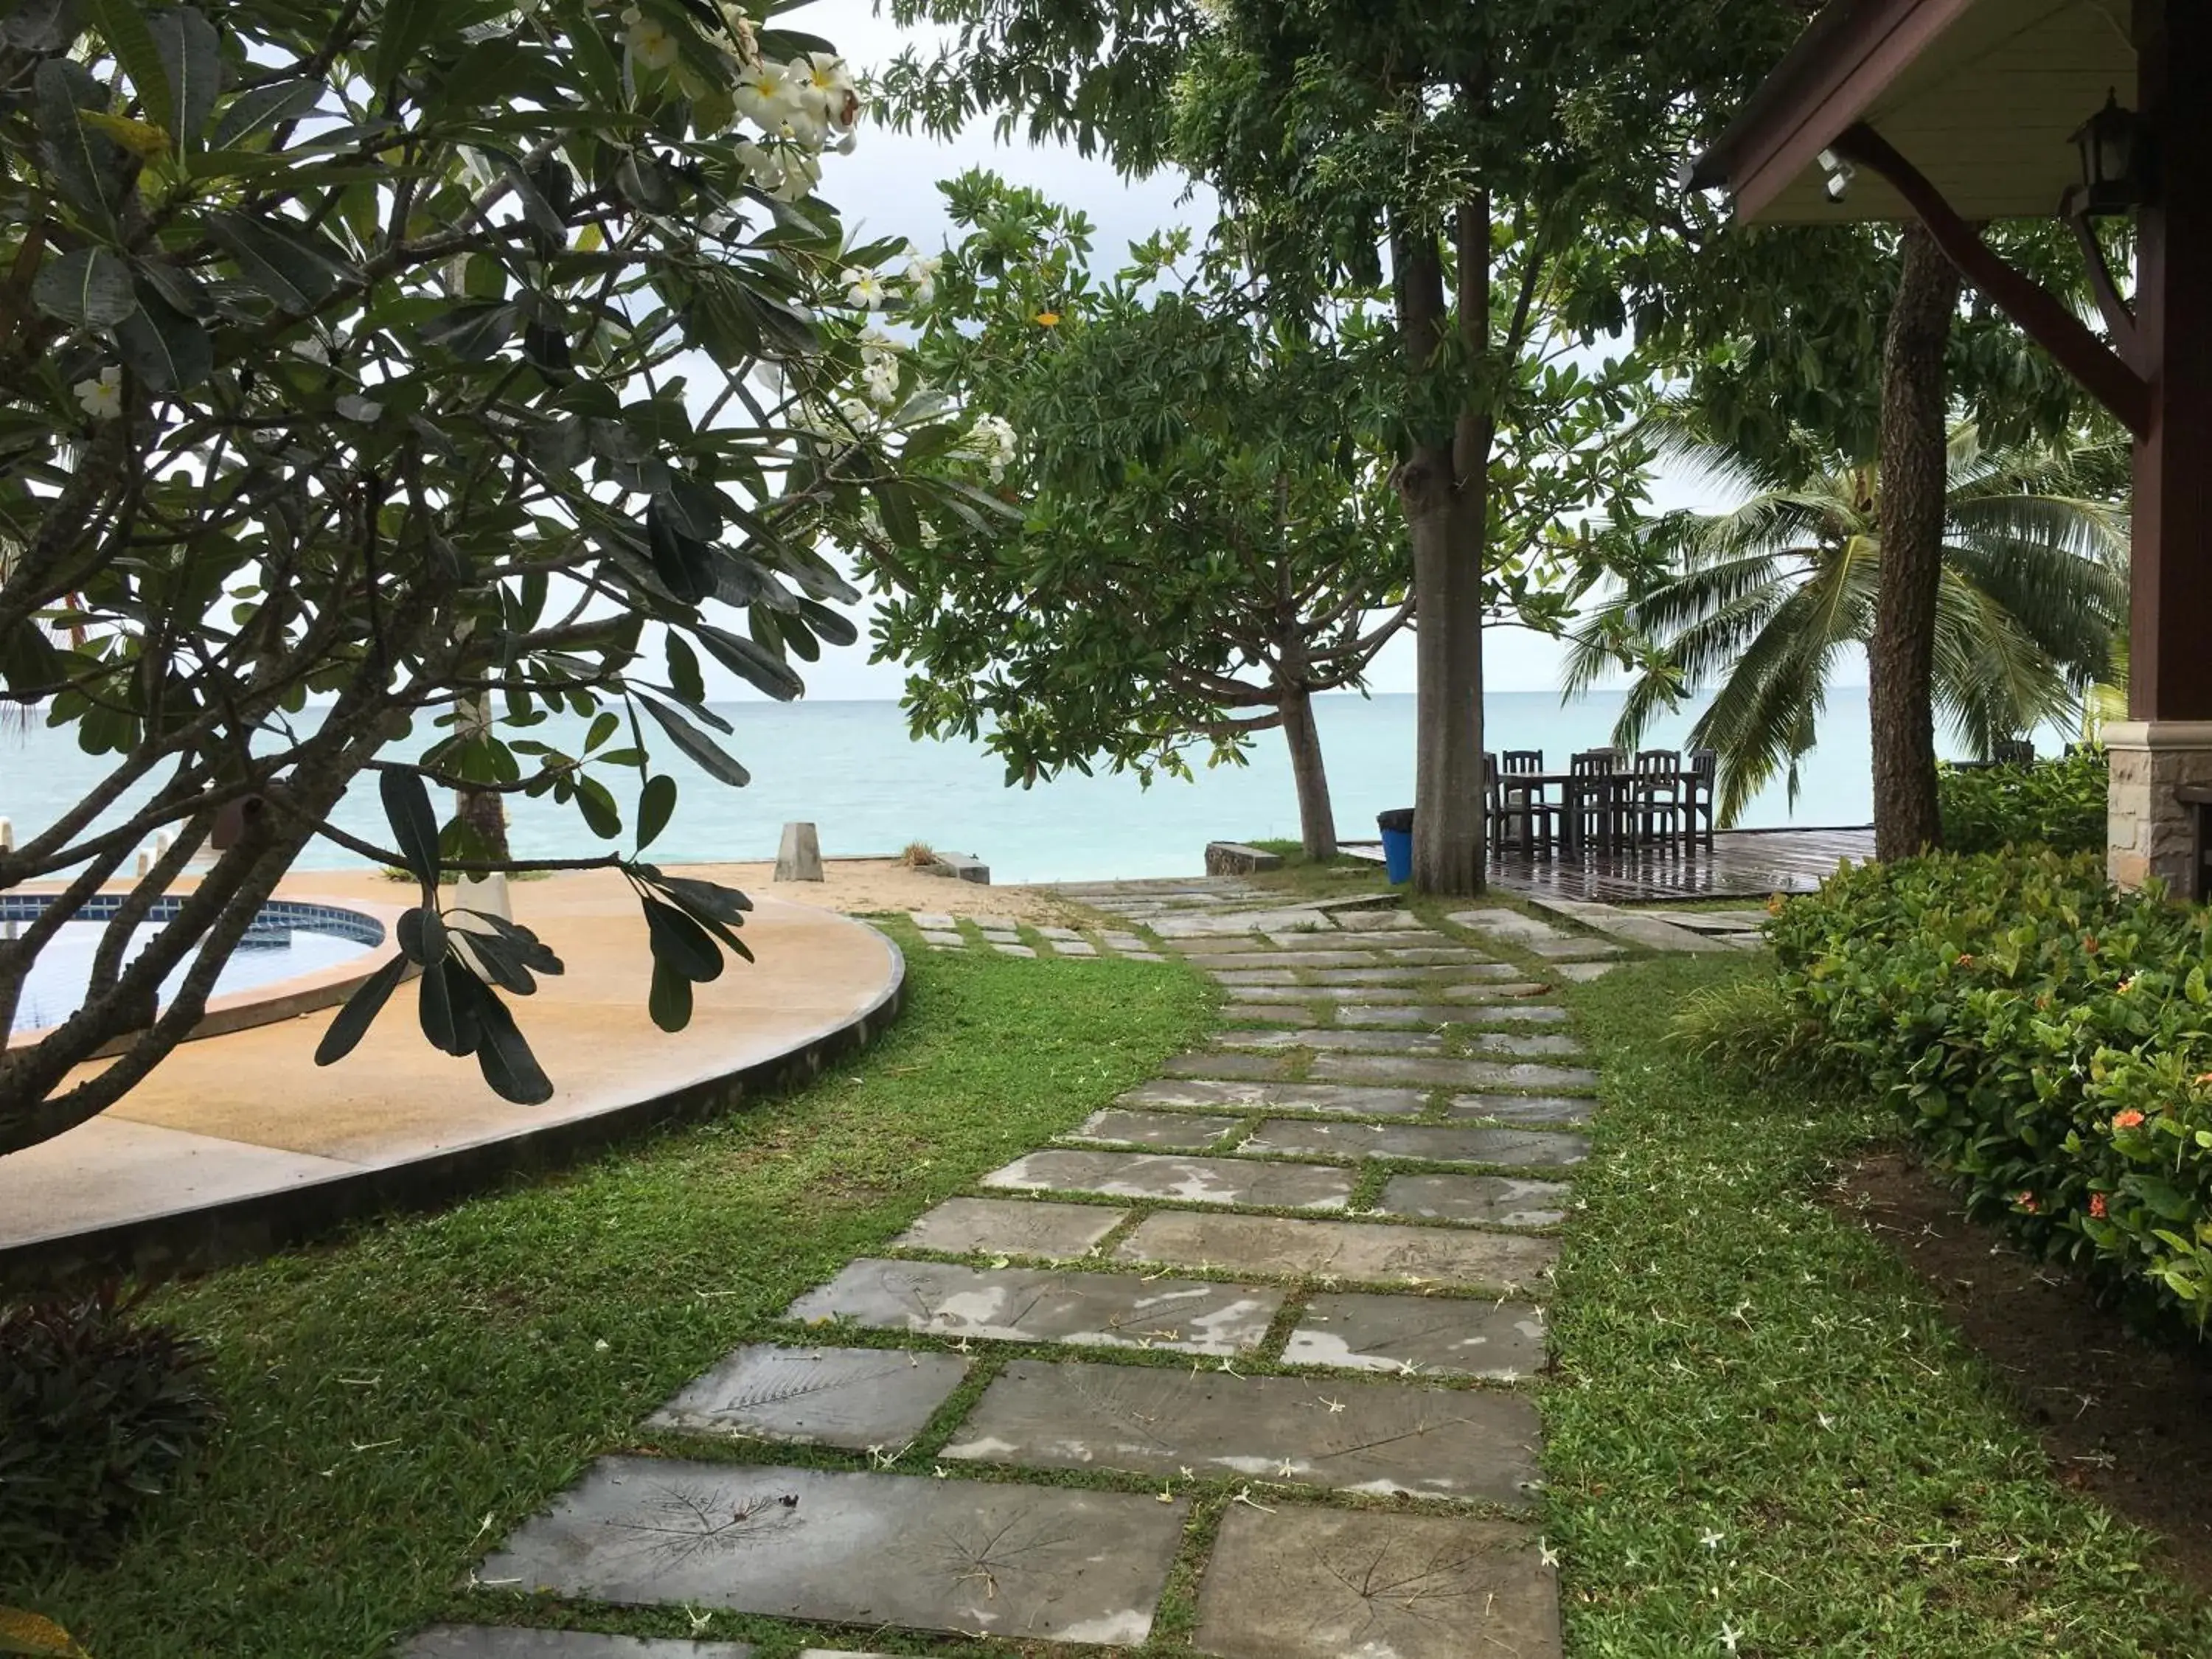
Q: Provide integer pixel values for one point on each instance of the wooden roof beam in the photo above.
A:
(2041, 315)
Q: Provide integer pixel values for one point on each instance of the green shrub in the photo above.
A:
(97, 1414)
(2058, 803)
(1750, 1025)
(2047, 1037)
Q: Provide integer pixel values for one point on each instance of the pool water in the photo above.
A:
(286, 940)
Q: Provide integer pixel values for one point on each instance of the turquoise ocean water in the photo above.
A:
(851, 768)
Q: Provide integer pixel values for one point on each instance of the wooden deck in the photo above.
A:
(1743, 864)
(1746, 863)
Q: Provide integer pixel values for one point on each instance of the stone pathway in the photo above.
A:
(943, 931)
(1265, 1326)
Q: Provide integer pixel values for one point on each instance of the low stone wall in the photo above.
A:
(1234, 858)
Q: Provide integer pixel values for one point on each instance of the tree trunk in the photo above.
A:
(1901, 652)
(1317, 821)
(482, 811)
(1444, 485)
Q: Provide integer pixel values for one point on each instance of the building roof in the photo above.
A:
(1982, 96)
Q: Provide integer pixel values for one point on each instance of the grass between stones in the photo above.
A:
(1761, 1436)
(399, 1400)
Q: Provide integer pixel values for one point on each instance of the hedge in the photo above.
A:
(2059, 804)
(2046, 1036)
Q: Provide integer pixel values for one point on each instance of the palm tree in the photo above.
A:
(1760, 601)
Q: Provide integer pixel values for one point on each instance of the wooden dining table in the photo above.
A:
(1580, 791)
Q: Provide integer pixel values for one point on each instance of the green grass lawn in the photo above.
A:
(1761, 1430)
(400, 1399)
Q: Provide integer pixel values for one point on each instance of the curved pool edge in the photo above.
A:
(171, 1243)
(277, 999)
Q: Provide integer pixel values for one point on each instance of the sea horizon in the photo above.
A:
(847, 766)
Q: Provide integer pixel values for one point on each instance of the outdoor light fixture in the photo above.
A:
(2115, 146)
(1840, 173)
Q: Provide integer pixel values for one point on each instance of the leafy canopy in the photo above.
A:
(395, 354)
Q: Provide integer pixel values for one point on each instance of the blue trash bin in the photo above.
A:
(1397, 827)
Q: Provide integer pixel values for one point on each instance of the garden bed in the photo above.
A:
(2127, 1423)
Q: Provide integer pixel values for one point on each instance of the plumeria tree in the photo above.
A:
(368, 368)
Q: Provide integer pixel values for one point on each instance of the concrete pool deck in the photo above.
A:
(239, 1143)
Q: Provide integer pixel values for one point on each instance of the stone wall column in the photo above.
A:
(2147, 831)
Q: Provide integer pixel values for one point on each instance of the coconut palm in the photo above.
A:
(1758, 603)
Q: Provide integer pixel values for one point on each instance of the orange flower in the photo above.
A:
(1774, 905)
(2203, 1078)
(1965, 959)
(2027, 1201)
(2089, 943)
(1048, 320)
(2127, 1119)
(2097, 1205)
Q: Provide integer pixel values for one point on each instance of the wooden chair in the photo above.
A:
(1528, 803)
(1597, 806)
(1656, 801)
(1698, 789)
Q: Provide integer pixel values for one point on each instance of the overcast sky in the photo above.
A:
(887, 186)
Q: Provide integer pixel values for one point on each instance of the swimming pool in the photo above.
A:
(289, 939)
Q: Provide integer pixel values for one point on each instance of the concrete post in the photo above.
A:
(799, 857)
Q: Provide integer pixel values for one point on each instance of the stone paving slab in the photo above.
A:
(1252, 1068)
(1652, 932)
(1363, 1042)
(1038, 1304)
(1010, 1226)
(1435, 956)
(1241, 977)
(1523, 1109)
(1216, 922)
(1573, 950)
(1509, 924)
(1179, 1131)
(1304, 1583)
(944, 941)
(1446, 1336)
(1014, 950)
(1500, 991)
(1545, 1045)
(1367, 1252)
(1400, 974)
(931, 922)
(1191, 1180)
(1496, 1201)
(850, 1397)
(1377, 922)
(517, 1642)
(1431, 1143)
(1262, 1013)
(1247, 961)
(1423, 1071)
(1036, 1563)
(1583, 972)
(1350, 1100)
(1452, 1013)
(1384, 1439)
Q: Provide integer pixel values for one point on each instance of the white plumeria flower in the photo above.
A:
(652, 44)
(921, 271)
(767, 93)
(826, 87)
(881, 379)
(877, 346)
(801, 173)
(102, 398)
(864, 288)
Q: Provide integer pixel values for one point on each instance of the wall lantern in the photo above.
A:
(2115, 146)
